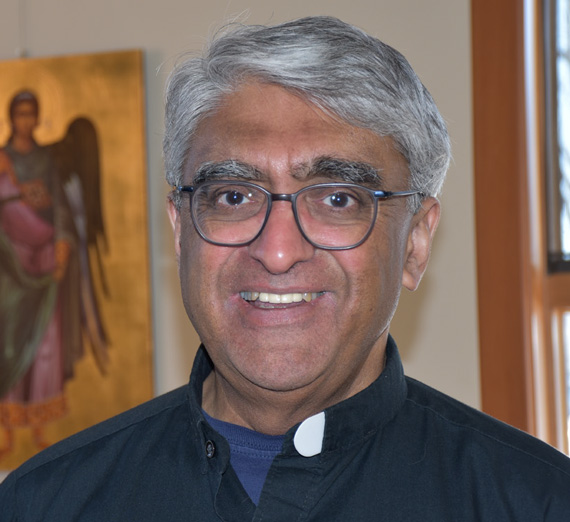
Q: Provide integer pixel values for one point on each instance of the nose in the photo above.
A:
(281, 244)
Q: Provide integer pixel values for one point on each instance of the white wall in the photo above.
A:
(435, 327)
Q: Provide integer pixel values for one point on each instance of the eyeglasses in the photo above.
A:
(330, 216)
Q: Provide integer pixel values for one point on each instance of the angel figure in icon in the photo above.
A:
(50, 221)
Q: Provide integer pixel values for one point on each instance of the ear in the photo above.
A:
(174, 217)
(422, 230)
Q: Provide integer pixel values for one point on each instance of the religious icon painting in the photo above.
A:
(75, 334)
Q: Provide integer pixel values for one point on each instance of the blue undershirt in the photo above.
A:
(251, 453)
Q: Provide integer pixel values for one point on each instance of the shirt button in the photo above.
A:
(210, 449)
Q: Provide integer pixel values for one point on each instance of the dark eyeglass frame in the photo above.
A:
(292, 198)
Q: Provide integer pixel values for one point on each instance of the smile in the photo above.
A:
(266, 297)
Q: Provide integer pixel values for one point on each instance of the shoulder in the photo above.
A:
(113, 433)
(142, 460)
(485, 435)
(5, 164)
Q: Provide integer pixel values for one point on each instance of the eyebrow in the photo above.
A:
(328, 167)
(338, 169)
(228, 169)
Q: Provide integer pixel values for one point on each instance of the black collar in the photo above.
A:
(348, 422)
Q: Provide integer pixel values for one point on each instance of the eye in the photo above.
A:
(233, 197)
(339, 200)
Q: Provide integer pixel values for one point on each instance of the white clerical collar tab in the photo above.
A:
(308, 438)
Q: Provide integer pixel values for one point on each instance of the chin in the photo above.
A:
(281, 374)
(281, 383)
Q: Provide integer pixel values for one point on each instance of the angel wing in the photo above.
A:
(77, 160)
(77, 154)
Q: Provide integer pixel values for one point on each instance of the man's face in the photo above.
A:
(24, 119)
(335, 342)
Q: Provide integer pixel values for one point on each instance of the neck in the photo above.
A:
(22, 144)
(275, 412)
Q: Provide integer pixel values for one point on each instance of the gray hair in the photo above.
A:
(333, 65)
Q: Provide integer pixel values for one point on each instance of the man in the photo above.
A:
(305, 159)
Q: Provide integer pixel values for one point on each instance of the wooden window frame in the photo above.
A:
(519, 301)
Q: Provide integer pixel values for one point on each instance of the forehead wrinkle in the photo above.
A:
(227, 169)
(337, 169)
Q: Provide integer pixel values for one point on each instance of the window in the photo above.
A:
(522, 193)
(556, 17)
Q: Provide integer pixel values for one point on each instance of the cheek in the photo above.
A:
(204, 275)
(195, 278)
(375, 273)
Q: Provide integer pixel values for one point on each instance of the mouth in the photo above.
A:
(271, 298)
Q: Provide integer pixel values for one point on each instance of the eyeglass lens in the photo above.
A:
(330, 216)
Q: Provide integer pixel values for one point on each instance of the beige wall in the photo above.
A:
(436, 326)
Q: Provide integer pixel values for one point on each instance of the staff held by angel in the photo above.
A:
(50, 220)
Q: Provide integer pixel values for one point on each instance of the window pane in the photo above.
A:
(563, 117)
(558, 133)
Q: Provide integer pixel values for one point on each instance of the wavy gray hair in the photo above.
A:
(333, 65)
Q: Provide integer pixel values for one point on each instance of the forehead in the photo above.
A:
(276, 131)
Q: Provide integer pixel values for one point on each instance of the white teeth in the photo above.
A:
(266, 297)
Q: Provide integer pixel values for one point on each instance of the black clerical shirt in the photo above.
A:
(397, 451)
